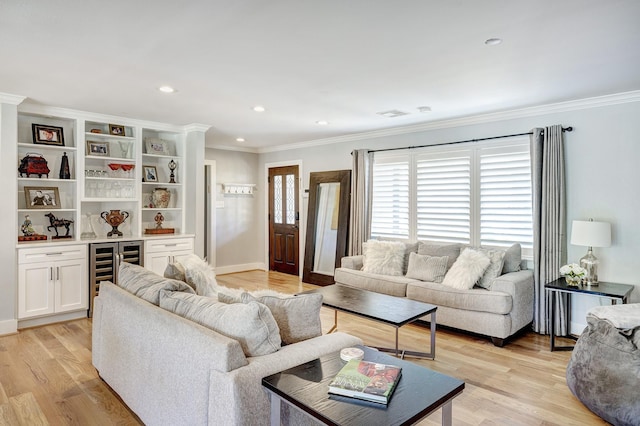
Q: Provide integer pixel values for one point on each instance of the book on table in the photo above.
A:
(366, 380)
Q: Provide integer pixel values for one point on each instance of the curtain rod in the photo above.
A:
(564, 129)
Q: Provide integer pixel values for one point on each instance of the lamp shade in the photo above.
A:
(590, 233)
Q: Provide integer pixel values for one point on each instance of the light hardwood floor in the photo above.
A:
(46, 376)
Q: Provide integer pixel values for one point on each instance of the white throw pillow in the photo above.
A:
(199, 275)
(384, 257)
(427, 268)
(467, 269)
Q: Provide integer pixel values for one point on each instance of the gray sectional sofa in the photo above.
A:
(499, 309)
(171, 370)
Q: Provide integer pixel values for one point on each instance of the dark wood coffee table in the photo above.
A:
(392, 310)
(419, 393)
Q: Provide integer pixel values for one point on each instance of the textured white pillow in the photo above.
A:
(467, 269)
(495, 268)
(199, 275)
(427, 268)
(384, 257)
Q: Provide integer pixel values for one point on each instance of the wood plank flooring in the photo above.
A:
(46, 376)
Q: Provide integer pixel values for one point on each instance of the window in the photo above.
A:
(476, 194)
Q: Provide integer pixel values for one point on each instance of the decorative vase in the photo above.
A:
(114, 218)
(160, 198)
(573, 281)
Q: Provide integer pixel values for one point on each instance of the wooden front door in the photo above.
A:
(283, 219)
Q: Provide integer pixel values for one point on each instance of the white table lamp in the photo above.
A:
(590, 234)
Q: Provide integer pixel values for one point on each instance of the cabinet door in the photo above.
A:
(35, 289)
(157, 262)
(71, 289)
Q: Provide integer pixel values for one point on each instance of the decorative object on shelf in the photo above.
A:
(160, 198)
(42, 197)
(124, 148)
(33, 163)
(65, 173)
(116, 130)
(28, 233)
(114, 218)
(98, 131)
(87, 228)
(573, 274)
(56, 223)
(590, 234)
(172, 167)
(98, 148)
(47, 135)
(156, 146)
(159, 218)
(238, 188)
(149, 174)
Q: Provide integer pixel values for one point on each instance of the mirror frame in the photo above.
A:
(315, 179)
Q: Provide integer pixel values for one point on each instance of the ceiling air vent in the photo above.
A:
(392, 113)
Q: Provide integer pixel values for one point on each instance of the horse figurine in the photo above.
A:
(57, 223)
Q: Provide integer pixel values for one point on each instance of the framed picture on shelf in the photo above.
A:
(98, 148)
(42, 197)
(149, 174)
(47, 135)
(116, 130)
(157, 146)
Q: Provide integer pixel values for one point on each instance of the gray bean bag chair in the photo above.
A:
(604, 370)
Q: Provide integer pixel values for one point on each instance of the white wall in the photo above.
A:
(239, 228)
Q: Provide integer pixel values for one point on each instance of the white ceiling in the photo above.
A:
(336, 60)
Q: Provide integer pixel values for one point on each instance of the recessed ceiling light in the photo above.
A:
(322, 122)
(239, 139)
(166, 89)
(258, 108)
(492, 41)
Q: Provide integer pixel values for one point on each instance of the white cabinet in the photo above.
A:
(158, 253)
(52, 280)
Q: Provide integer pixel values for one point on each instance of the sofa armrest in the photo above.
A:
(353, 262)
(520, 286)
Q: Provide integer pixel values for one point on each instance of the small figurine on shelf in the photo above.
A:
(56, 223)
(28, 233)
(65, 173)
(159, 219)
(172, 167)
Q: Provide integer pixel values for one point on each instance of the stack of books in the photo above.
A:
(365, 380)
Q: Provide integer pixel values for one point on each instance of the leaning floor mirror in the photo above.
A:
(327, 225)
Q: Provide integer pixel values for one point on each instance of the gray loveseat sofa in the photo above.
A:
(499, 311)
(170, 370)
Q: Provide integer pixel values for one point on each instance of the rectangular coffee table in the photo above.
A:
(419, 393)
(392, 310)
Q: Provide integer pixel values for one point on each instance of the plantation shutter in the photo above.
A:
(505, 196)
(443, 196)
(390, 200)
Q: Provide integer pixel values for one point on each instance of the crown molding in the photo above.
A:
(234, 148)
(593, 102)
(196, 127)
(7, 98)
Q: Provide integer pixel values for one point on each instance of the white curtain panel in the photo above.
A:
(549, 224)
(360, 219)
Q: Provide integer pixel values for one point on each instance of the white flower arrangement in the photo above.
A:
(573, 270)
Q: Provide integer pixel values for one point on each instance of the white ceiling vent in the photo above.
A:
(392, 113)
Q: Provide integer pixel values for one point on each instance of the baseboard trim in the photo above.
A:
(50, 319)
(8, 327)
(221, 270)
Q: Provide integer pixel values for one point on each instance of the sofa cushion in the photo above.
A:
(384, 257)
(251, 324)
(512, 259)
(475, 299)
(408, 249)
(387, 284)
(298, 317)
(494, 270)
(147, 284)
(467, 269)
(452, 250)
(175, 271)
(427, 268)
